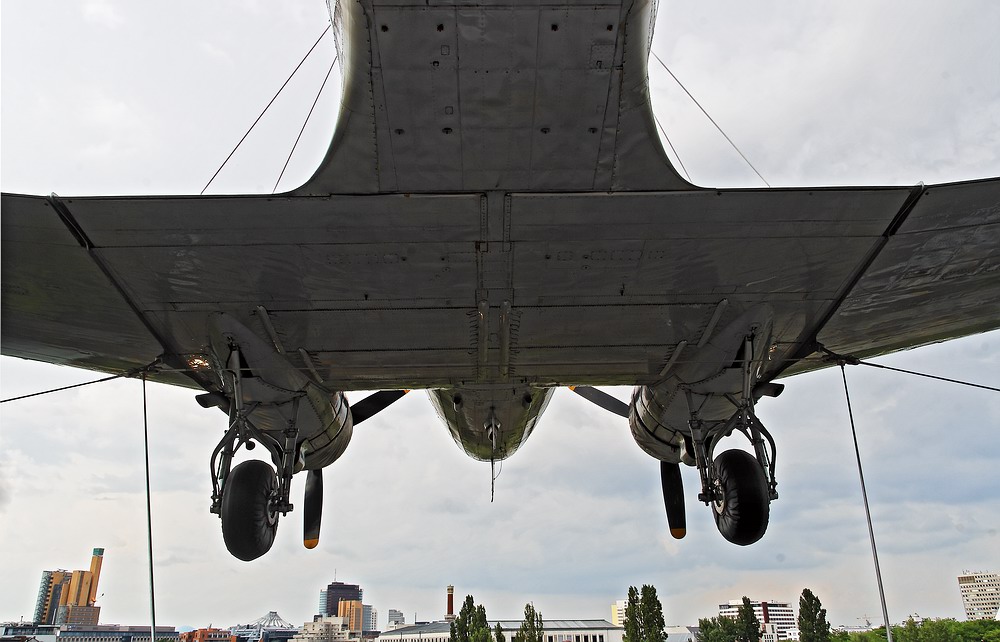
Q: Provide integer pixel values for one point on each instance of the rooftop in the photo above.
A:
(506, 625)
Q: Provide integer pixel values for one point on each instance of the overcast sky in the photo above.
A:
(102, 97)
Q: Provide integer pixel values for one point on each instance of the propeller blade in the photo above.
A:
(313, 512)
(374, 404)
(673, 498)
(602, 399)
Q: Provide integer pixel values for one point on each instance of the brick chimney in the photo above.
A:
(450, 615)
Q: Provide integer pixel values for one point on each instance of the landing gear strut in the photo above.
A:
(739, 486)
(250, 497)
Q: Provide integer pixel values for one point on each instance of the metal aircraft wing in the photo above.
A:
(435, 290)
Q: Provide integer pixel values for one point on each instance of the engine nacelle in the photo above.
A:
(700, 383)
(278, 395)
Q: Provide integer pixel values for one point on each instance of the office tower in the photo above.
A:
(66, 597)
(337, 591)
(980, 595)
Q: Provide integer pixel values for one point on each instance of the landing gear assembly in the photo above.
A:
(250, 497)
(683, 418)
(302, 425)
(737, 485)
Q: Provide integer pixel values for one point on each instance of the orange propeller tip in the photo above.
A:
(678, 533)
(310, 543)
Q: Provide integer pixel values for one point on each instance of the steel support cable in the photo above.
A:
(868, 515)
(712, 120)
(854, 361)
(268, 106)
(672, 148)
(304, 123)
(75, 385)
(929, 376)
(149, 513)
(128, 374)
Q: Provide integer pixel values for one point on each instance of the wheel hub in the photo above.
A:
(719, 500)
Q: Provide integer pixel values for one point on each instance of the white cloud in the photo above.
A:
(102, 12)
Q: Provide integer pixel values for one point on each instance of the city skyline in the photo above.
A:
(103, 97)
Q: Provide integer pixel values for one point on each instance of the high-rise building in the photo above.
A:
(334, 593)
(779, 614)
(618, 612)
(49, 592)
(396, 619)
(980, 595)
(352, 612)
(369, 618)
(66, 597)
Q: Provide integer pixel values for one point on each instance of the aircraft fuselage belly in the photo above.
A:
(490, 422)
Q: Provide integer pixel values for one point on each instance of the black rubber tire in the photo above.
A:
(248, 527)
(742, 515)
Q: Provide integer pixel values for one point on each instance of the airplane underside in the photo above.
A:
(495, 218)
(527, 331)
(303, 426)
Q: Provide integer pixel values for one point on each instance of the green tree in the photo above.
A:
(813, 626)
(631, 633)
(651, 615)
(717, 629)
(946, 630)
(471, 624)
(498, 634)
(532, 627)
(909, 632)
(644, 616)
(747, 624)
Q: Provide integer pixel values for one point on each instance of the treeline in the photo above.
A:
(813, 627)
(928, 631)
(643, 621)
(470, 625)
